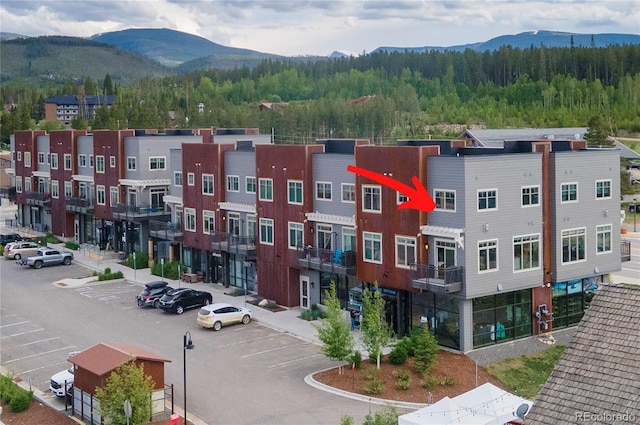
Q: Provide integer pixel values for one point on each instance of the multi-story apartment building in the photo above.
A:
(65, 107)
(519, 239)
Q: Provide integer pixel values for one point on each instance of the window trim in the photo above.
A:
(54, 161)
(562, 237)
(568, 201)
(112, 161)
(522, 195)
(444, 199)
(191, 179)
(300, 188)
(406, 247)
(268, 223)
(68, 161)
(372, 237)
(208, 218)
(513, 251)
(599, 231)
(132, 160)
(205, 186)
(27, 159)
(247, 179)
(100, 160)
(299, 229)
(160, 160)
(101, 189)
(599, 198)
(352, 192)
(189, 212)
(325, 184)
(177, 179)
(268, 183)
(488, 197)
(232, 178)
(41, 158)
(489, 269)
(55, 189)
(377, 188)
(82, 160)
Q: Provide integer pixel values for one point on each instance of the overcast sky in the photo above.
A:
(300, 27)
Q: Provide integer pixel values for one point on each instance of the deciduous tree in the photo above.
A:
(376, 332)
(335, 334)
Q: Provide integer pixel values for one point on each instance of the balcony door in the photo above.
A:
(445, 254)
(324, 235)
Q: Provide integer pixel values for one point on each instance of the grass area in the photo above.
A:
(525, 375)
(630, 143)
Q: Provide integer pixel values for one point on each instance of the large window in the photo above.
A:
(68, 190)
(177, 178)
(207, 184)
(603, 237)
(113, 196)
(67, 161)
(27, 159)
(190, 219)
(372, 243)
(348, 192)
(131, 163)
(603, 189)
(573, 245)
(526, 252)
(266, 189)
(250, 184)
(571, 299)
(488, 255)
(569, 192)
(157, 163)
(371, 198)
(233, 183)
(100, 195)
(54, 161)
(323, 191)
(99, 163)
(295, 235)
(405, 251)
(530, 196)
(445, 199)
(55, 189)
(497, 318)
(208, 222)
(266, 231)
(295, 192)
(487, 200)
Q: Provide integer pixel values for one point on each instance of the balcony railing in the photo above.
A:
(39, 198)
(78, 204)
(437, 279)
(625, 251)
(132, 212)
(338, 261)
(166, 230)
(236, 244)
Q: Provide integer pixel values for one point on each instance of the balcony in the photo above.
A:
(40, 199)
(137, 213)
(79, 205)
(234, 244)
(625, 251)
(428, 277)
(337, 262)
(165, 230)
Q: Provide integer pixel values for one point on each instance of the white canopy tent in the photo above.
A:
(485, 405)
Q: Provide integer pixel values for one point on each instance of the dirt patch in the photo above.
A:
(458, 368)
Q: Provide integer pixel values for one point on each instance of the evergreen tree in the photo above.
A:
(127, 382)
(426, 350)
(335, 334)
(108, 85)
(376, 332)
(597, 134)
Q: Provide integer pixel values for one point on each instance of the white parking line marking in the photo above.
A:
(294, 361)
(41, 367)
(14, 324)
(42, 340)
(23, 333)
(269, 351)
(39, 354)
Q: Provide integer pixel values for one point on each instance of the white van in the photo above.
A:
(61, 381)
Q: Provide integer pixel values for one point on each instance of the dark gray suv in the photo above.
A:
(6, 238)
(152, 293)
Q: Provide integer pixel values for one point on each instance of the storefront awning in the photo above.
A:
(445, 232)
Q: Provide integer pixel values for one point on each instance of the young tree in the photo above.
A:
(597, 134)
(335, 334)
(426, 351)
(376, 332)
(127, 382)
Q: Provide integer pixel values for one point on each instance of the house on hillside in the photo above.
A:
(597, 378)
(93, 366)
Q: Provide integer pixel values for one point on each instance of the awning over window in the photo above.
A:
(445, 232)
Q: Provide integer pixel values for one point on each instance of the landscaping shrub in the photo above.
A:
(21, 400)
(398, 355)
(374, 386)
(142, 261)
(314, 313)
(170, 269)
(429, 382)
(109, 275)
(372, 373)
(71, 245)
(426, 352)
(409, 344)
(448, 381)
(403, 379)
(356, 359)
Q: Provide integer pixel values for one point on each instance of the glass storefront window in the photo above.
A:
(502, 317)
(439, 312)
(571, 299)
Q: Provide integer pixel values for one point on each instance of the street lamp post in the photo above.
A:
(635, 212)
(187, 344)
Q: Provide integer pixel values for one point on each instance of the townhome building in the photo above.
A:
(520, 238)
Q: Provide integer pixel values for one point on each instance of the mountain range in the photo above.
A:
(164, 52)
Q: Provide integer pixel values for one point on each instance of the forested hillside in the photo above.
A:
(409, 93)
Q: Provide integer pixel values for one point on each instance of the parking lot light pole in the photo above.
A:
(635, 212)
(187, 344)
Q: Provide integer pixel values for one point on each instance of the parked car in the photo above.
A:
(20, 249)
(634, 208)
(178, 300)
(47, 257)
(633, 164)
(216, 315)
(61, 381)
(152, 292)
(6, 238)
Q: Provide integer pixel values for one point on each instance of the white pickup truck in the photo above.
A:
(47, 257)
(61, 381)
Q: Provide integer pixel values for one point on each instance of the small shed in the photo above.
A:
(93, 366)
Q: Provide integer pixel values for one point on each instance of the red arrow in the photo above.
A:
(419, 198)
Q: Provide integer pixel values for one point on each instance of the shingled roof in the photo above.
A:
(102, 358)
(597, 378)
